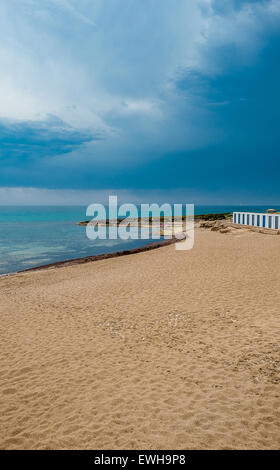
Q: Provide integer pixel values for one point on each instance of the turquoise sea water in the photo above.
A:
(36, 235)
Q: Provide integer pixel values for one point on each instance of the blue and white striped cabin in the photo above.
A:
(254, 219)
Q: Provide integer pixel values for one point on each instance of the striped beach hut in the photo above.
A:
(270, 219)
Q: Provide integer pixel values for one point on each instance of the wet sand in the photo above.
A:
(158, 350)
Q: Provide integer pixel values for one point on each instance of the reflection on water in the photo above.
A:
(28, 244)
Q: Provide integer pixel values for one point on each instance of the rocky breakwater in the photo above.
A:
(223, 226)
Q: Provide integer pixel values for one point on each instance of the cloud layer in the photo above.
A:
(95, 94)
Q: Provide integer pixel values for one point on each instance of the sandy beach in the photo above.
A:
(158, 350)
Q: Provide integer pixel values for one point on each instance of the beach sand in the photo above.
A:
(158, 350)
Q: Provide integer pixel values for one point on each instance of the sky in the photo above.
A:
(168, 100)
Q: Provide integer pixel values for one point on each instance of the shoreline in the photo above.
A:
(148, 247)
(204, 218)
(93, 258)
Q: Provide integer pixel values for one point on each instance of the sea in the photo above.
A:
(32, 236)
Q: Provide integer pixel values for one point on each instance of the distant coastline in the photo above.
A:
(219, 216)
